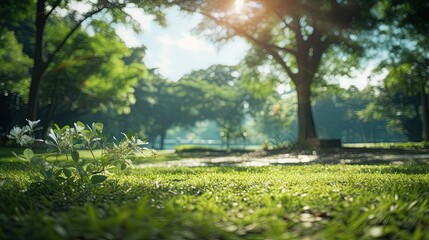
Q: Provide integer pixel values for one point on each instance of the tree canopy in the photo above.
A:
(295, 35)
(45, 12)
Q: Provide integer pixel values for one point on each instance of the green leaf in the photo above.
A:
(75, 156)
(128, 162)
(129, 134)
(98, 127)
(65, 127)
(90, 167)
(80, 124)
(58, 172)
(67, 172)
(59, 178)
(105, 159)
(28, 154)
(49, 173)
(123, 166)
(81, 171)
(50, 149)
(98, 179)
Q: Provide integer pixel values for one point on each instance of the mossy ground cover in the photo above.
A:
(278, 202)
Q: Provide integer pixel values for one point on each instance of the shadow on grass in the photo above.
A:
(12, 166)
(398, 160)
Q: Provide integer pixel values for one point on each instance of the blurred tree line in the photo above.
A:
(71, 65)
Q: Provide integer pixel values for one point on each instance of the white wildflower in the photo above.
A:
(79, 128)
(20, 135)
(32, 124)
(15, 133)
(26, 140)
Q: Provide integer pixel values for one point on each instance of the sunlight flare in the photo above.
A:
(238, 5)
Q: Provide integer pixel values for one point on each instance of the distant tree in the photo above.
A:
(342, 113)
(405, 24)
(403, 98)
(160, 108)
(160, 105)
(219, 95)
(295, 35)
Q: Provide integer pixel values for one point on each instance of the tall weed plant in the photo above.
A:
(69, 141)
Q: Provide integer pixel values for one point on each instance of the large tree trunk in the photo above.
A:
(306, 128)
(39, 64)
(33, 96)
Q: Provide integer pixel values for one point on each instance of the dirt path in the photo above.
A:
(343, 157)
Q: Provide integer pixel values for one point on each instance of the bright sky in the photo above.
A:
(174, 50)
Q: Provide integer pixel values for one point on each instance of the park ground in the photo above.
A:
(331, 194)
(349, 155)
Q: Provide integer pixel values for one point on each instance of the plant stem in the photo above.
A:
(92, 153)
(95, 160)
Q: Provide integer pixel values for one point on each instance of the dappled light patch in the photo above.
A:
(259, 159)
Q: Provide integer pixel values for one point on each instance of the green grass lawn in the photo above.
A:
(278, 202)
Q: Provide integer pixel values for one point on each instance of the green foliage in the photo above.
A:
(159, 105)
(259, 75)
(13, 11)
(278, 142)
(410, 15)
(14, 66)
(227, 100)
(402, 92)
(276, 119)
(353, 113)
(69, 140)
(59, 22)
(88, 77)
(405, 63)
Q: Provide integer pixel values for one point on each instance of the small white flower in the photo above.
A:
(26, 140)
(32, 124)
(20, 136)
(15, 133)
(78, 128)
(140, 142)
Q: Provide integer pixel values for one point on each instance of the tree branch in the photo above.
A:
(55, 5)
(270, 48)
(287, 25)
(296, 28)
(282, 63)
(69, 34)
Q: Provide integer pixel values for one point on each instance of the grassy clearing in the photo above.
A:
(392, 145)
(279, 202)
